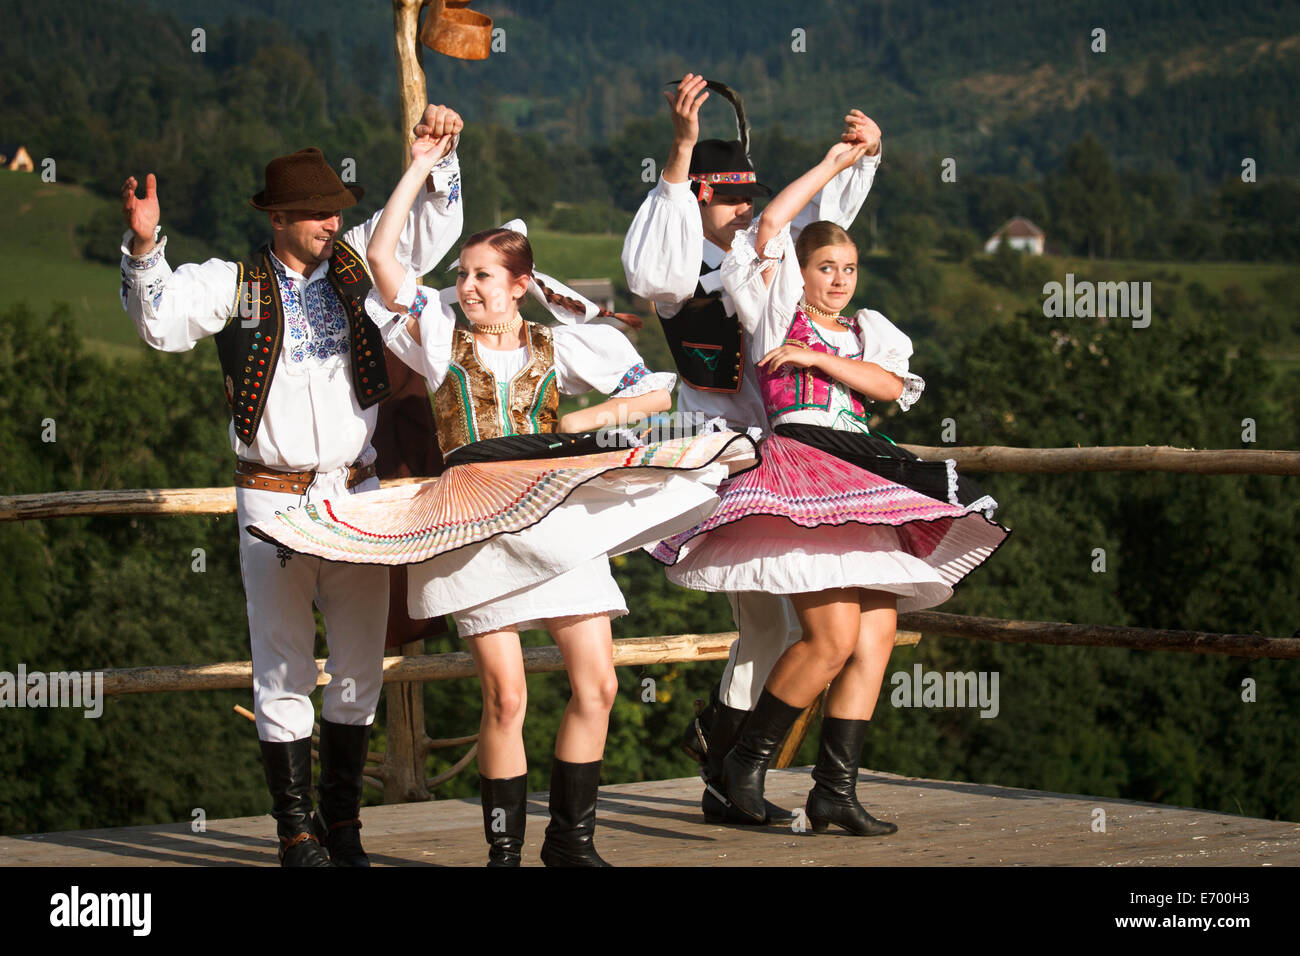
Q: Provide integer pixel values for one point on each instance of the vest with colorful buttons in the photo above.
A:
(249, 345)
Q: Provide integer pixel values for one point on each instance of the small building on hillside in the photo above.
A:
(1020, 234)
(14, 156)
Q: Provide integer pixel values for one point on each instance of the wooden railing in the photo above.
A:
(408, 743)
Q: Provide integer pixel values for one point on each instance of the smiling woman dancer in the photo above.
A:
(518, 530)
(851, 527)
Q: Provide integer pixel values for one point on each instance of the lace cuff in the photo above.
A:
(913, 386)
(384, 318)
(745, 253)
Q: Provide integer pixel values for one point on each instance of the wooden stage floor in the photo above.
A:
(658, 823)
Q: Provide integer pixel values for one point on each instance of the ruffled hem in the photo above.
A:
(802, 501)
(787, 567)
(474, 502)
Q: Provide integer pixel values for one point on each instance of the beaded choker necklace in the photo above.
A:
(803, 304)
(500, 328)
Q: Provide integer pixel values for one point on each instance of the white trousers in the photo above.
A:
(767, 625)
(282, 628)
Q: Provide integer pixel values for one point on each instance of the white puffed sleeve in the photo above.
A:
(173, 311)
(887, 346)
(665, 244)
(432, 309)
(765, 311)
(599, 357)
(840, 200)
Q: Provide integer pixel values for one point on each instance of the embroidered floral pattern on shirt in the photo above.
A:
(317, 326)
(454, 193)
(634, 375)
(418, 304)
(155, 291)
(147, 261)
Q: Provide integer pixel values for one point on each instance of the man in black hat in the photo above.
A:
(672, 254)
(304, 370)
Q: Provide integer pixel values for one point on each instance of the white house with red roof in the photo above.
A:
(1020, 234)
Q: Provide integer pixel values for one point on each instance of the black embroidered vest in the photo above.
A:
(249, 347)
(707, 343)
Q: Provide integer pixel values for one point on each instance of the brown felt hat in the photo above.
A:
(304, 181)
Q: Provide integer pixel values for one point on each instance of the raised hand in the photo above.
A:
(141, 214)
(843, 155)
(861, 128)
(429, 149)
(438, 122)
(685, 105)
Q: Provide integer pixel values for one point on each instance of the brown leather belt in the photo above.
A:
(250, 474)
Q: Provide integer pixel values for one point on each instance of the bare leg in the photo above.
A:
(832, 622)
(855, 691)
(588, 650)
(500, 666)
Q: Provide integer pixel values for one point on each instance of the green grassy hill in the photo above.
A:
(45, 247)
(45, 262)
(50, 268)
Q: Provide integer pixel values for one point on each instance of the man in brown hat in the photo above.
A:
(672, 254)
(304, 370)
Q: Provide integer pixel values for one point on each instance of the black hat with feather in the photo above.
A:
(722, 167)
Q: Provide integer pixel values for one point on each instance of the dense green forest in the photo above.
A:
(1130, 160)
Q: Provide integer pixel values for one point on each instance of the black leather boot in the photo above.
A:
(746, 765)
(505, 803)
(727, 725)
(834, 798)
(288, 776)
(569, 836)
(342, 762)
(695, 738)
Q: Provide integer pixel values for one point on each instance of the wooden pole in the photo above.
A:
(1097, 635)
(981, 458)
(237, 675)
(404, 755)
(410, 72)
(132, 501)
(1051, 461)
(684, 648)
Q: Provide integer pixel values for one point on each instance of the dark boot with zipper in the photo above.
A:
(695, 738)
(288, 777)
(746, 765)
(342, 762)
(834, 798)
(727, 726)
(570, 834)
(505, 810)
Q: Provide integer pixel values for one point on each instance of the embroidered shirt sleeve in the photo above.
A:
(173, 311)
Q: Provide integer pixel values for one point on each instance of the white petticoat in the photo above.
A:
(587, 589)
(772, 554)
(620, 511)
